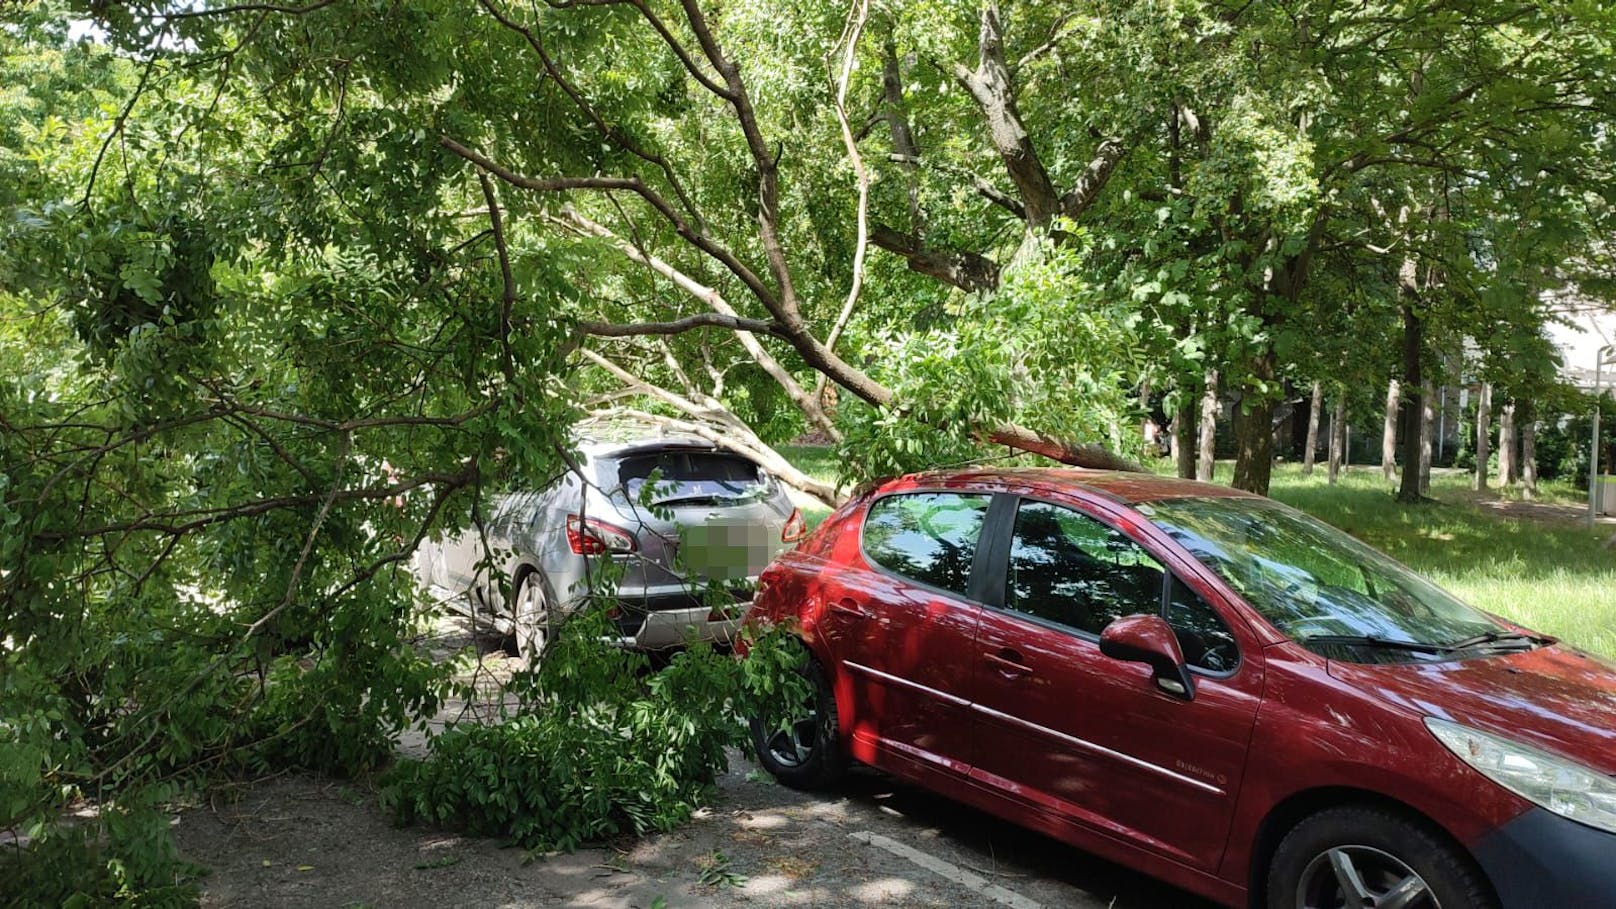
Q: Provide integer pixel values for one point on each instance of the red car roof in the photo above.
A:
(1128, 488)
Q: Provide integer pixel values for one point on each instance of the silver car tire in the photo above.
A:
(531, 615)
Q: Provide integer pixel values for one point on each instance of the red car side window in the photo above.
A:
(1069, 568)
(928, 537)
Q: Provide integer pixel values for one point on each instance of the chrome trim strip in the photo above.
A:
(1085, 745)
(1080, 744)
(905, 683)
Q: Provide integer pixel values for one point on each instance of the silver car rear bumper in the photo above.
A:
(677, 627)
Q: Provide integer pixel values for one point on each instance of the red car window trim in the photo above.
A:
(976, 557)
(1108, 519)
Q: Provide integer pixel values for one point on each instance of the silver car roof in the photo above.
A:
(603, 448)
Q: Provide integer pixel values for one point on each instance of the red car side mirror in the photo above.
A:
(1150, 640)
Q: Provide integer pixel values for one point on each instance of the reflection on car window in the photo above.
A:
(1069, 568)
(929, 537)
(1311, 580)
(692, 477)
(1202, 636)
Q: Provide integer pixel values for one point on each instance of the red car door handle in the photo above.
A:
(1008, 662)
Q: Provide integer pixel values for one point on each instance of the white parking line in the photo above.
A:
(947, 870)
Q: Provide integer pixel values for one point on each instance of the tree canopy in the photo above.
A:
(286, 287)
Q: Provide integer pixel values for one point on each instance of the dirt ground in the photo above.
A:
(302, 841)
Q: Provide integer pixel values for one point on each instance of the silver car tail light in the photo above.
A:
(587, 536)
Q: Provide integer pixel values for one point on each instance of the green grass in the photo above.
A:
(819, 462)
(1554, 576)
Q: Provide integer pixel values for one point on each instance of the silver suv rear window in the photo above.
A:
(693, 477)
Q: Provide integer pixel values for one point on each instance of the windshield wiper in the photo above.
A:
(1373, 640)
(1507, 638)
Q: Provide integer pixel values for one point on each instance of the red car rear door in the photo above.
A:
(1065, 730)
(900, 622)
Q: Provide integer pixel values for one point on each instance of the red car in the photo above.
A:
(1202, 684)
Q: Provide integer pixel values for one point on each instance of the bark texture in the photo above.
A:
(1484, 410)
(1206, 457)
(1184, 438)
(1309, 453)
(1506, 445)
(1338, 435)
(1254, 431)
(1415, 409)
(1529, 459)
(1388, 435)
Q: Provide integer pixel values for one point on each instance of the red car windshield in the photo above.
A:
(1319, 586)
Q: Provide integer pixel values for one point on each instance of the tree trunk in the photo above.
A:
(1484, 408)
(991, 86)
(1312, 448)
(1529, 460)
(1254, 432)
(1427, 427)
(1254, 445)
(1506, 445)
(1415, 405)
(1338, 434)
(1183, 438)
(1388, 438)
(903, 137)
(1206, 463)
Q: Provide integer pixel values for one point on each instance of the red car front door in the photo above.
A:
(902, 628)
(1065, 730)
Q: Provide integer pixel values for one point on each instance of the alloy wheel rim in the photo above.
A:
(793, 745)
(530, 615)
(1362, 877)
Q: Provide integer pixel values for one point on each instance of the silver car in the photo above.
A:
(686, 551)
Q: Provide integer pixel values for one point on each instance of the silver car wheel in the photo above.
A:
(1362, 877)
(794, 745)
(532, 619)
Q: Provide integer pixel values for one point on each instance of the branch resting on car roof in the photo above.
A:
(774, 287)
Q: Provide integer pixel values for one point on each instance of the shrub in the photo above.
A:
(602, 745)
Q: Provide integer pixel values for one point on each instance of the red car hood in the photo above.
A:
(1562, 701)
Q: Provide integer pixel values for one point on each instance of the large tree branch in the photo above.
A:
(856, 17)
(690, 233)
(991, 87)
(905, 150)
(1080, 197)
(809, 404)
(784, 307)
(679, 326)
(968, 271)
(717, 424)
(1093, 457)
(612, 133)
(507, 281)
(783, 304)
